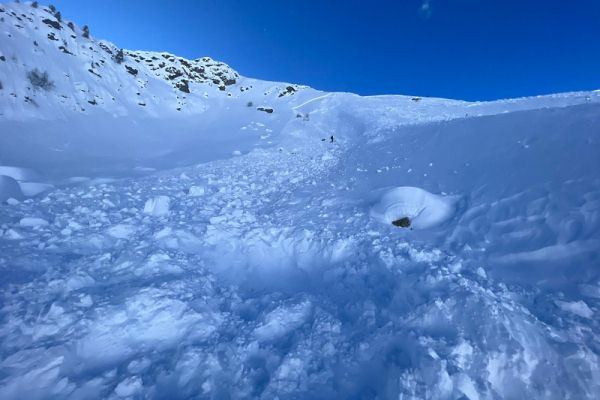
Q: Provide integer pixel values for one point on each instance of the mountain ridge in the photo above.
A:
(86, 75)
(83, 73)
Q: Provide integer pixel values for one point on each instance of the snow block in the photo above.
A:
(158, 206)
(196, 191)
(32, 222)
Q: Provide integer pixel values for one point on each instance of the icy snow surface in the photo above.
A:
(231, 253)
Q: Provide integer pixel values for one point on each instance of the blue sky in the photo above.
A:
(467, 49)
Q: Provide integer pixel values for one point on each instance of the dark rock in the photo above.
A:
(288, 90)
(119, 57)
(64, 50)
(105, 48)
(30, 100)
(183, 86)
(91, 71)
(131, 70)
(52, 24)
(403, 222)
(174, 75)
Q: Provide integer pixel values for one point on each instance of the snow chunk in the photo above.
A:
(31, 189)
(579, 308)
(150, 319)
(31, 222)
(283, 320)
(197, 191)
(121, 231)
(12, 235)
(40, 375)
(424, 209)
(79, 281)
(158, 206)
(128, 387)
(467, 387)
(590, 290)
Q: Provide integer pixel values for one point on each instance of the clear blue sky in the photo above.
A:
(467, 49)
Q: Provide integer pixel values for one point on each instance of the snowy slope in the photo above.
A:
(222, 251)
(87, 77)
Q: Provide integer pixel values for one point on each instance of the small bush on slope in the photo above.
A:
(40, 79)
(119, 57)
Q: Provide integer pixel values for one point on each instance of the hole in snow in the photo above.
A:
(403, 222)
(413, 207)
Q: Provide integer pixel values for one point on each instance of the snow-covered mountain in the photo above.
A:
(86, 75)
(172, 229)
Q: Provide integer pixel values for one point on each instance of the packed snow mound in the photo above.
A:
(9, 188)
(29, 181)
(20, 174)
(423, 209)
(31, 189)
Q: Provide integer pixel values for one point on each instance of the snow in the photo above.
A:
(121, 231)
(31, 222)
(197, 191)
(578, 308)
(424, 209)
(31, 189)
(158, 206)
(27, 179)
(19, 174)
(223, 252)
(128, 387)
(9, 188)
(282, 320)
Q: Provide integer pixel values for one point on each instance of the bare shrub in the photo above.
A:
(40, 79)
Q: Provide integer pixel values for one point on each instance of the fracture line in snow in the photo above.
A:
(311, 100)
